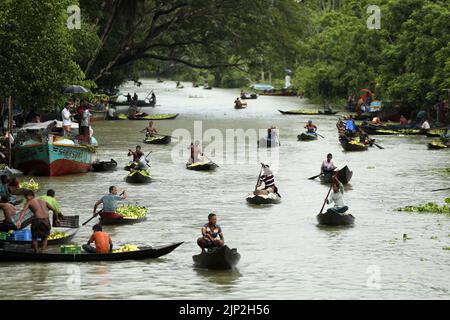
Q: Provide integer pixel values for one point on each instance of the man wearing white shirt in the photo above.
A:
(425, 125)
(65, 114)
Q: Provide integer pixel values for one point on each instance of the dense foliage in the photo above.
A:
(229, 42)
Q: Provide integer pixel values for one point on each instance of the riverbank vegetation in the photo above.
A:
(230, 43)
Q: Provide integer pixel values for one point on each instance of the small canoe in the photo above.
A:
(138, 176)
(309, 112)
(128, 166)
(354, 145)
(121, 221)
(279, 93)
(241, 107)
(222, 258)
(16, 254)
(271, 198)
(168, 116)
(202, 166)
(331, 218)
(104, 166)
(158, 140)
(265, 143)
(141, 103)
(434, 133)
(249, 96)
(437, 145)
(344, 176)
(69, 235)
(307, 136)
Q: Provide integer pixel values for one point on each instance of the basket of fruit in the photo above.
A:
(30, 185)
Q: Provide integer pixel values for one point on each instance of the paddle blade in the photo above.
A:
(312, 178)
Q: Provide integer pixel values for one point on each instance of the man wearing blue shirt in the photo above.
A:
(110, 204)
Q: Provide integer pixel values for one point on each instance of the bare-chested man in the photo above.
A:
(150, 130)
(8, 209)
(40, 225)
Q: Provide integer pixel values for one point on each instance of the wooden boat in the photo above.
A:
(277, 93)
(98, 115)
(437, 145)
(104, 166)
(52, 159)
(141, 103)
(128, 166)
(121, 221)
(158, 140)
(202, 166)
(344, 176)
(222, 258)
(364, 116)
(271, 198)
(148, 117)
(307, 136)
(243, 106)
(249, 96)
(265, 143)
(70, 234)
(138, 176)
(434, 133)
(354, 145)
(331, 218)
(308, 112)
(17, 254)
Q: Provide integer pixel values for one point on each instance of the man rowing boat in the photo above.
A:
(40, 225)
(110, 204)
(212, 234)
(195, 152)
(337, 196)
(139, 161)
(269, 182)
(328, 165)
(311, 127)
(150, 130)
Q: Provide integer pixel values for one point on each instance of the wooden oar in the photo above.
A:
(440, 189)
(259, 177)
(320, 135)
(164, 135)
(377, 145)
(312, 178)
(326, 198)
(92, 218)
(210, 160)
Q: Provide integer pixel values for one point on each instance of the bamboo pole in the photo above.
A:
(10, 125)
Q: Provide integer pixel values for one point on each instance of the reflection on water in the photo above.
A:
(284, 254)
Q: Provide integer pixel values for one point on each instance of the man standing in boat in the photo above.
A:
(212, 234)
(67, 122)
(40, 225)
(328, 164)
(110, 204)
(337, 196)
(195, 152)
(269, 182)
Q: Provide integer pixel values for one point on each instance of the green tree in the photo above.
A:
(36, 52)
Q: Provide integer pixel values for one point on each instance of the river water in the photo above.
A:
(285, 255)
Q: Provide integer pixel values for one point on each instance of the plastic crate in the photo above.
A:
(3, 235)
(71, 249)
(22, 235)
(69, 222)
